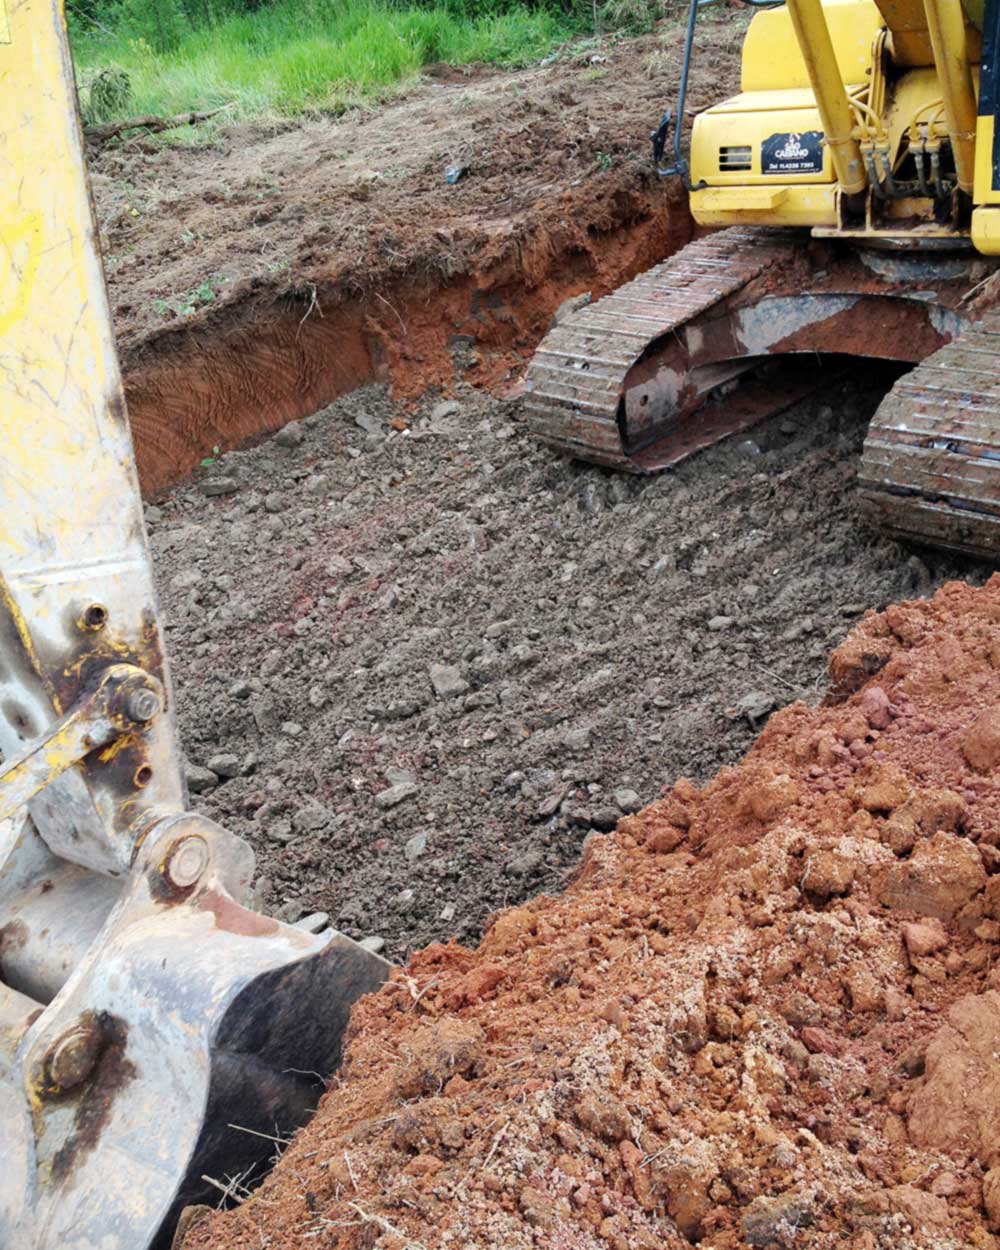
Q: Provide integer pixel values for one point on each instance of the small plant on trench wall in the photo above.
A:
(208, 461)
(187, 305)
(603, 161)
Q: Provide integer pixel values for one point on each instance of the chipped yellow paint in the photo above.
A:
(71, 527)
(10, 606)
(55, 419)
(117, 746)
(4, 23)
(20, 254)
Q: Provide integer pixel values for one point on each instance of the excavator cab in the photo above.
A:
(156, 1035)
(858, 175)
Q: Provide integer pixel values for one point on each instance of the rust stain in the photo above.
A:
(114, 1071)
(13, 936)
(229, 915)
(876, 327)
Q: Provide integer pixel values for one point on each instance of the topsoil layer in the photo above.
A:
(348, 204)
(256, 279)
(765, 1013)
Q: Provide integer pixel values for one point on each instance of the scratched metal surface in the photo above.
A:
(71, 528)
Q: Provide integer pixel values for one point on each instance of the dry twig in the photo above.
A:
(149, 122)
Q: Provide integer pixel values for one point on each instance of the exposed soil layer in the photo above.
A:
(420, 658)
(286, 267)
(765, 1012)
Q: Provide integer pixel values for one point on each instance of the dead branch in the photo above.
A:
(150, 123)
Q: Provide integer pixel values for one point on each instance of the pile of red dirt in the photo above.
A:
(765, 1013)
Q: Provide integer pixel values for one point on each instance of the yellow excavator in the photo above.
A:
(857, 178)
(156, 1035)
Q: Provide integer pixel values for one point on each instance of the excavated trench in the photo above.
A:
(259, 363)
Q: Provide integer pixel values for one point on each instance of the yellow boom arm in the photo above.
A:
(143, 1009)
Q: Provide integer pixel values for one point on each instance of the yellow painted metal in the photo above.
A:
(746, 121)
(984, 192)
(99, 718)
(773, 100)
(946, 26)
(772, 58)
(835, 67)
(71, 526)
(817, 51)
(986, 231)
(911, 45)
(915, 96)
(766, 205)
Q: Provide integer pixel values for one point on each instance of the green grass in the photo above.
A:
(299, 56)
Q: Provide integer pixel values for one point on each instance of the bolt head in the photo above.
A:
(187, 860)
(72, 1057)
(142, 704)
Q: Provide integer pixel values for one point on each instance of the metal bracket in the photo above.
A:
(126, 698)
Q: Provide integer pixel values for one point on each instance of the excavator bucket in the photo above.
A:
(157, 1038)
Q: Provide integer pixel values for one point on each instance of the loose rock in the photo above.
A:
(447, 681)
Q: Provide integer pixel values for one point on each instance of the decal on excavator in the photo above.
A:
(792, 153)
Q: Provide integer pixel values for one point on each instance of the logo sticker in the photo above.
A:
(792, 153)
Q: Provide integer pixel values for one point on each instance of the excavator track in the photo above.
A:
(648, 375)
(579, 380)
(930, 471)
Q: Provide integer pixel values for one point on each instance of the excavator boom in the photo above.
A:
(154, 1032)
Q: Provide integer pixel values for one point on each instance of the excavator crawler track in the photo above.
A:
(648, 375)
(930, 471)
(578, 379)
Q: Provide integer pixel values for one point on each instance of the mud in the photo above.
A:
(764, 1013)
(419, 658)
(256, 280)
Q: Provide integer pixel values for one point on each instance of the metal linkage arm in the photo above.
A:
(125, 701)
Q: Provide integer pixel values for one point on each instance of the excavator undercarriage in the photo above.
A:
(686, 354)
(862, 200)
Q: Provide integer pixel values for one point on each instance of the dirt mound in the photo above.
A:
(286, 267)
(764, 1013)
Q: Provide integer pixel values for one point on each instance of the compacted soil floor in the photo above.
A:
(419, 658)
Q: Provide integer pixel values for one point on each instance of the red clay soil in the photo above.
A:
(255, 280)
(765, 1013)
